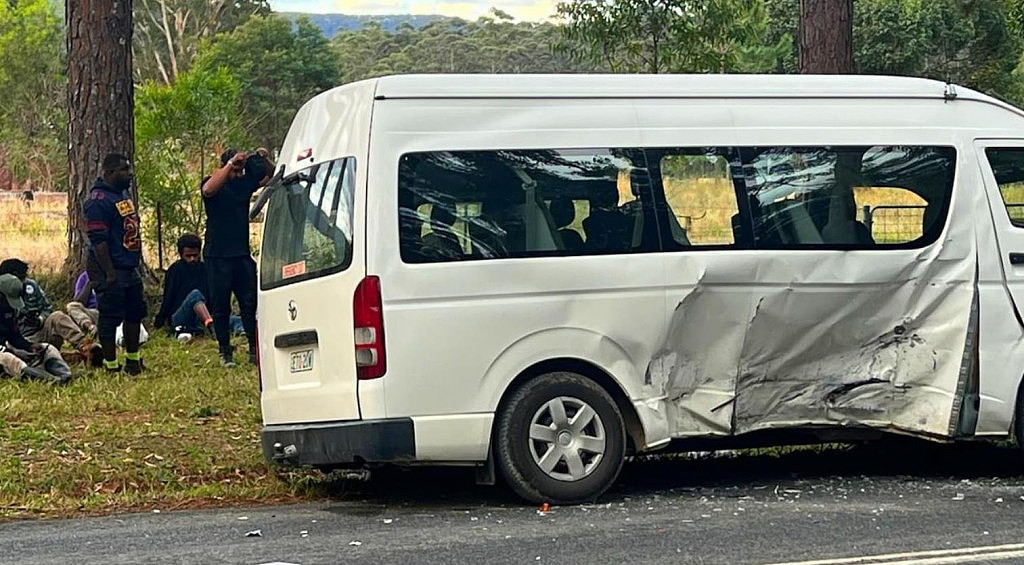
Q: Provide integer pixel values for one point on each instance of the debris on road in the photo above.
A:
(254, 534)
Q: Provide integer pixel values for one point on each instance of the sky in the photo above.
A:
(531, 10)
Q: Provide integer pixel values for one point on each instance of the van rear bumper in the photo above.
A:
(340, 443)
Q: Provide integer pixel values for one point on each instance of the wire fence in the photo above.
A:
(893, 224)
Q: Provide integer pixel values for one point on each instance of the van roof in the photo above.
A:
(664, 86)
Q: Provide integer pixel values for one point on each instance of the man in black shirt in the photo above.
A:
(183, 307)
(229, 264)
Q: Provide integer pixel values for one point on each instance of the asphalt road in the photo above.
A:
(914, 503)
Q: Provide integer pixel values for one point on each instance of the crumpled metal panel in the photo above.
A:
(818, 338)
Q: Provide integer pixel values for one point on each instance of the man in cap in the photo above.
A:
(115, 249)
(229, 264)
(37, 320)
(19, 358)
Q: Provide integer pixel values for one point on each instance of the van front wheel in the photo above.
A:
(560, 439)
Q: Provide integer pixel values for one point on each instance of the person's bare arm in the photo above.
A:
(219, 177)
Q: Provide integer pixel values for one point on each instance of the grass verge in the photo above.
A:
(184, 434)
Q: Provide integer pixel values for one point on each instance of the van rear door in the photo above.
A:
(308, 276)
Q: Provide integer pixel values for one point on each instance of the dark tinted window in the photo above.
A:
(308, 230)
(457, 206)
(843, 197)
(464, 205)
(1008, 167)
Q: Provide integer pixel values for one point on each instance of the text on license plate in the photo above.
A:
(302, 361)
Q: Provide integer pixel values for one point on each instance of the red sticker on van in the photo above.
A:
(293, 270)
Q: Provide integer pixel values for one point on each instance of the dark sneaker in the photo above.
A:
(133, 367)
(96, 355)
(227, 360)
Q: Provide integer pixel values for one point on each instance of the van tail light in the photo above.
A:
(368, 318)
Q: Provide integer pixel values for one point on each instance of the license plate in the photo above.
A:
(302, 361)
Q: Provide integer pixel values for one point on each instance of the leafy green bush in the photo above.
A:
(180, 131)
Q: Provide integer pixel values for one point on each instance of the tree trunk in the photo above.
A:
(100, 103)
(826, 36)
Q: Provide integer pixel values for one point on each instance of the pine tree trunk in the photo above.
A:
(100, 103)
(826, 36)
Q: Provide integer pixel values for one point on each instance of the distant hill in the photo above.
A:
(332, 24)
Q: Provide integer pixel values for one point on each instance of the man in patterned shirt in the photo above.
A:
(115, 249)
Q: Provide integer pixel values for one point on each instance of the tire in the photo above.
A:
(574, 461)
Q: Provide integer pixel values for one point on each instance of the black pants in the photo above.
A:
(119, 301)
(229, 275)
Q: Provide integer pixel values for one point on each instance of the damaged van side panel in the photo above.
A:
(817, 337)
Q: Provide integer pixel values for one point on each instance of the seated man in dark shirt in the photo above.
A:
(185, 290)
(19, 358)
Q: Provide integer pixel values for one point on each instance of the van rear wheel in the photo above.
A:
(560, 439)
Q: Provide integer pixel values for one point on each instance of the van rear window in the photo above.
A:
(308, 228)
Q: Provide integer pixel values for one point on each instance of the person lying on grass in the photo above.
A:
(39, 323)
(20, 358)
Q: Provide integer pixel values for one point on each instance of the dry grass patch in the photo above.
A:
(184, 434)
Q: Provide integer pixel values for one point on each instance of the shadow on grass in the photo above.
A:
(898, 461)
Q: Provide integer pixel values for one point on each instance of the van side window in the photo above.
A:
(1008, 167)
(848, 197)
(467, 205)
(701, 197)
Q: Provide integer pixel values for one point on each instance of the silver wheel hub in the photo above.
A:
(567, 439)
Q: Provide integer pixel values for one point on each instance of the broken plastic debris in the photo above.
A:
(243, 517)
(355, 543)
(388, 520)
(254, 534)
(156, 512)
(304, 532)
(959, 496)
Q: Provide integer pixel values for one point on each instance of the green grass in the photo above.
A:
(185, 433)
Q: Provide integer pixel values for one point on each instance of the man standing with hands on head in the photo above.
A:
(229, 263)
(115, 247)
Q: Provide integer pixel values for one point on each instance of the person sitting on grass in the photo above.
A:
(83, 307)
(39, 323)
(185, 290)
(84, 293)
(19, 358)
(87, 317)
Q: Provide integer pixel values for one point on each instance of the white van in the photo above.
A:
(544, 274)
